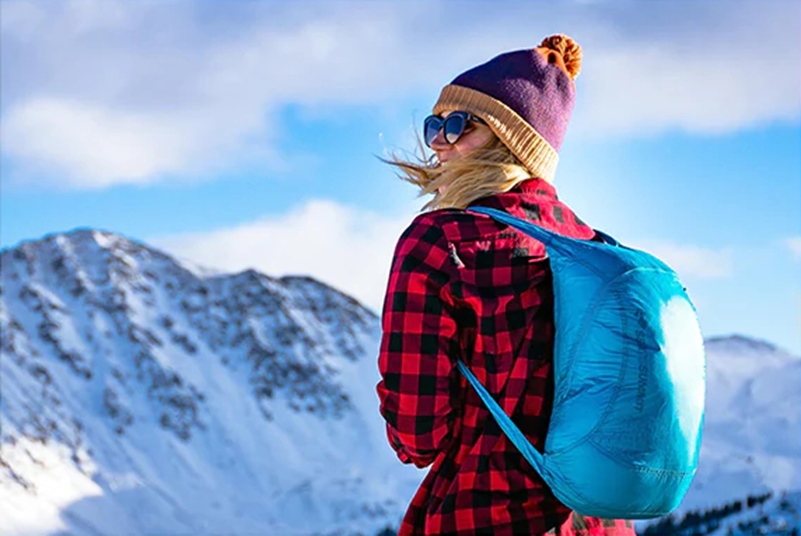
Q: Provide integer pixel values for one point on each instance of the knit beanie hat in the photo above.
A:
(526, 97)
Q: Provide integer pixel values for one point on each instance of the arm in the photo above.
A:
(418, 346)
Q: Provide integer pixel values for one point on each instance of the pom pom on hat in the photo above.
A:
(568, 50)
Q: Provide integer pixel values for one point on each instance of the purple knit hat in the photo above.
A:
(526, 97)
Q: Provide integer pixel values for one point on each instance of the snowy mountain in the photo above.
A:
(752, 432)
(140, 395)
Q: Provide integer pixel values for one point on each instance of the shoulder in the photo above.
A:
(446, 226)
(440, 219)
(431, 240)
(536, 200)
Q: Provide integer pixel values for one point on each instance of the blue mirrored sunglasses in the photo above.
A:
(453, 126)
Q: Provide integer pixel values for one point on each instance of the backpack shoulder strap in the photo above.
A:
(528, 228)
(509, 428)
(546, 236)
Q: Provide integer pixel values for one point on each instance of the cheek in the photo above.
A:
(472, 142)
(462, 150)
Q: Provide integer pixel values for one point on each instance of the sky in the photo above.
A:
(244, 134)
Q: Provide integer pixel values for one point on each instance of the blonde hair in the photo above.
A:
(487, 170)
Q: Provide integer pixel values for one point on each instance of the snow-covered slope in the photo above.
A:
(778, 514)
(141, 397)
(752, 433)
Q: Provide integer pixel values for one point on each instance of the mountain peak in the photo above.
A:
(77, 236)
(99, 236)
(114, 351)
(741, 344)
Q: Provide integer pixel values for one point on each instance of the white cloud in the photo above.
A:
(692, 261)
(794, 245)
(99, 146)
(711, 86)
(347, 248)
(164, 89)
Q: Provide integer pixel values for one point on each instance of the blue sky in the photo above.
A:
(245, 134)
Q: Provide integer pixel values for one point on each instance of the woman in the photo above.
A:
(463, 287)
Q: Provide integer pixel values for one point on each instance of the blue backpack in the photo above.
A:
(629, 372)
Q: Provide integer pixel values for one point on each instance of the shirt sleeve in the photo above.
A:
(419, 346)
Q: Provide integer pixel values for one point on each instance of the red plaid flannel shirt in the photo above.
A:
(464, 287)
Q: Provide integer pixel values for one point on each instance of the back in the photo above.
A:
(628, 367)
(464, 287)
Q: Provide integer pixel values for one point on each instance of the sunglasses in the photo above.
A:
(452, 126)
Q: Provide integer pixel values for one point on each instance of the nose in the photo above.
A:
(439, 143)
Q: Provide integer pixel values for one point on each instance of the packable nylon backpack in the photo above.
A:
(629, 372)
